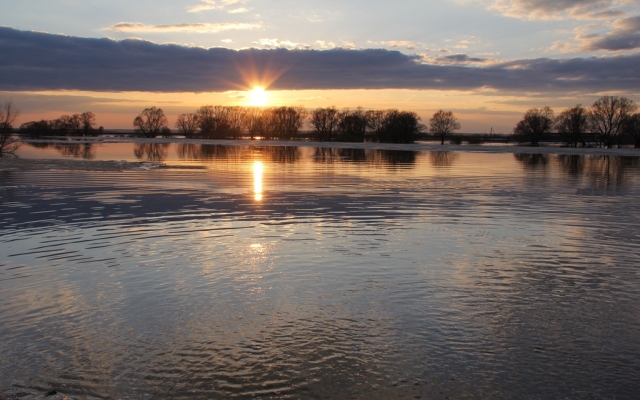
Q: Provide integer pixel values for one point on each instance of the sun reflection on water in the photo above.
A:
(257, 180)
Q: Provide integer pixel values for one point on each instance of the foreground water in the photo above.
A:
(321, 273)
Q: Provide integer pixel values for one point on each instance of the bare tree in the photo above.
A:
(287, 121)
(572, 124)
(75, 124)
(632, 128)
(87, 123)
(8, 115)
(607, 117)
(62, 126)
(443, 123)
(150, 122)
(214, 121)
(397, 126)
(353, 125)
(236, 121)
(536, 123)
(187, 124)
(325, 122)
(253, 121)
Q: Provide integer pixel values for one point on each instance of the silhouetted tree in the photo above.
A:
(572, 124)
(395, 126)
(608, 116)
(352, 125)
(214, 121)
(150, 122)
(286, 121)
(443, 123)
(325, 122)
(36, 129)
(632, 128)
(253, 121)
(187, 124)
(8, 115)
(62, 126)
(537, 123)
(88, 123)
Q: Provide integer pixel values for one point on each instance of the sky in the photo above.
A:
(488, 61)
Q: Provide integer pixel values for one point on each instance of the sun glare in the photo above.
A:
(258, 97)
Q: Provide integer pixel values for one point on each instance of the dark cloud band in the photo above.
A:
(40, 61)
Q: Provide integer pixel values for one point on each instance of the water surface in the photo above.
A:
(321, 273)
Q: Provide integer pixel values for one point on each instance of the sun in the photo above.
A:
(258, 97)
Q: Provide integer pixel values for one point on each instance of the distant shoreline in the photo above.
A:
(487, 148)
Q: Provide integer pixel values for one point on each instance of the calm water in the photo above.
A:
(319, 273)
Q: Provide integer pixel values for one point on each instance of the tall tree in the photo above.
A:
(608, 116)
(87, 123)
(632, 128)
(572, 124)
(150, 122)
(287, 121)
(352, 125)
(8, 115)
(442, 124)
(187, 124)
(325, 122)
(536, 123)
(395, 126)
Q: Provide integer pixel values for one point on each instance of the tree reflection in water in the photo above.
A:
(151, 151)
(442, 159)
(391, 157)
(533, 161)
(78, 150)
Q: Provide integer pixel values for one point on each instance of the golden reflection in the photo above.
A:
(257, 180)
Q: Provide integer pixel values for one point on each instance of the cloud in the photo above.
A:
(407, 44)
(35, 61)
(284, 44)
(207, 5)
(138, 27)
(455, 59)
(561, 9)
(238, 10)
(623, 35)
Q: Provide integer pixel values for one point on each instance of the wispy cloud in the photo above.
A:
(561, 9)
(456, 59)
(138, 27)
(395, 44)
(238, 10)
(207, 5)
(280, 44)
(32, 61)
(620, 35)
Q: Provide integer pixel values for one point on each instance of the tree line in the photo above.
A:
(607, 122)
(285, 123)
(83, 124)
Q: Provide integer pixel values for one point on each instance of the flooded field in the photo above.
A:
(302, 272)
